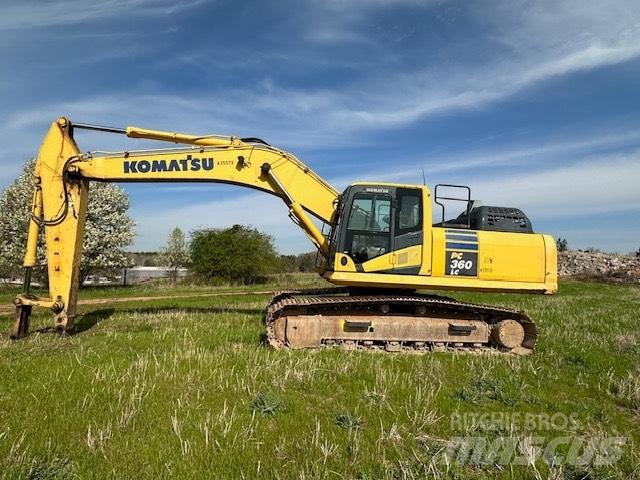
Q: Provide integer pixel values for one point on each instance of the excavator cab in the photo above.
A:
(383, 236)
(380, 228)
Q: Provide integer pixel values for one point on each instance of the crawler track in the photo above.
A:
(336, 317)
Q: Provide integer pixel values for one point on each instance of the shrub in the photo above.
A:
(562, 244)
(238, 254)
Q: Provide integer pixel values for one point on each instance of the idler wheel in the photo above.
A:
(508, 334)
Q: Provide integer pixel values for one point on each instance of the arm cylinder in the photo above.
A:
(310, 229)
(31, 253)
(296, 210)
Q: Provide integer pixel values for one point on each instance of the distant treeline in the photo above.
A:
(244, 245)
(303, 262)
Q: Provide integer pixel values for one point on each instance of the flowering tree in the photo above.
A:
(176, 253)
(15, 205)
(108, 231)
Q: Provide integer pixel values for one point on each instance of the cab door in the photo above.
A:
(381, 230)
(368, 237)
(408, 231)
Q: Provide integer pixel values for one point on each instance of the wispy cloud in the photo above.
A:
(530, 156)
(594, 186)
(26, 14)
(383, 99)
(533, 43)
(577, 177)
(267, 212)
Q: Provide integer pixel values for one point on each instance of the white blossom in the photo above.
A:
(108, 231)
(176, 254)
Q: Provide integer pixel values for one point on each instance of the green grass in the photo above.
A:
(277, 281)
(182, 388)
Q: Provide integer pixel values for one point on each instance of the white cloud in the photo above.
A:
(226, 113)
(467, 165)
(533, 43)
(536, 43)
(25, 14)
(543, 153)
(263, 211)
(591, 187)
(581, 183)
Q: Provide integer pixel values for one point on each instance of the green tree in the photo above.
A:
(239, 254)
(176, 254)
(562, 244)
(288, 263)
(108, 231)
(306, 262)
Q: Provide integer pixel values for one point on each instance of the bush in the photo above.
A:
(303, 262)
(562, 244)
(288, 263)
(306, 262)
(238, 254)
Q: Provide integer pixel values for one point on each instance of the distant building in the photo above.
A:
(132, 276)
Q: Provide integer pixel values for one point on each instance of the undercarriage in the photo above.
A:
(396, 322)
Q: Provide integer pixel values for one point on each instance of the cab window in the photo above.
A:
(368, 229)
(370, 213)
(409, 217)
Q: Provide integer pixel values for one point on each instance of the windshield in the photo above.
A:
(368, 229)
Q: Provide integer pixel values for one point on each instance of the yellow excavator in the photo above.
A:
(381, 249)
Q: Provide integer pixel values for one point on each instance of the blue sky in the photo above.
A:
(532, 104)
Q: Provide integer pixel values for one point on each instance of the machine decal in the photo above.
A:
(376, 190)
(461, 263)
(458, 231)
(181, 165)
(461, 240)
(462, 246)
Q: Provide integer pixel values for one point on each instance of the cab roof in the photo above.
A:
(389, 184)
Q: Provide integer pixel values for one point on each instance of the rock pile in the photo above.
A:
(597, 264)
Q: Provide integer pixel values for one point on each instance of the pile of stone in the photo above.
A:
(609, 266)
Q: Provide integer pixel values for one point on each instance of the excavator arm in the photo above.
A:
(62, 175)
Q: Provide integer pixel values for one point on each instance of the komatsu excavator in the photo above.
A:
(381, 248)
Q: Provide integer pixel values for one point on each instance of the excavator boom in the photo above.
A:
(62, 176)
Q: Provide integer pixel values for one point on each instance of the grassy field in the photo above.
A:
(181, 387)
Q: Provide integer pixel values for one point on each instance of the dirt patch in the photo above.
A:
(103, 301)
